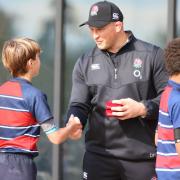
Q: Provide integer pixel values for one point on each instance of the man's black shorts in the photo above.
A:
(96, 167)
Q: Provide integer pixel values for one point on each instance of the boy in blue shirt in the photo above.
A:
(23, 110)
(168, 135)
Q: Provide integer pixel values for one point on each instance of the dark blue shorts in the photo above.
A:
(17, 167)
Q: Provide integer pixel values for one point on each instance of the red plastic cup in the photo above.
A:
(109, 113)
(109, 104)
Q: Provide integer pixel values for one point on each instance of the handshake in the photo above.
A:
(75, 128)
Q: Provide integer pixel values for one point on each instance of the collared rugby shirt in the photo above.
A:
(168, 160)
(22, 109)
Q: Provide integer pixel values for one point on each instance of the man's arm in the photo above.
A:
(79, 104)
(159, 78)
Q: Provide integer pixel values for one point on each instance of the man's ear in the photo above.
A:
(119, 26)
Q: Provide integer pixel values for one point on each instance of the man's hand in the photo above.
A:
(76, 132)
(128, 108)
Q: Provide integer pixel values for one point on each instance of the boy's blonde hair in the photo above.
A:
(17, 52)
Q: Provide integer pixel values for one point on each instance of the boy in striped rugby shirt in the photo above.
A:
(168, 135)
(23, 110)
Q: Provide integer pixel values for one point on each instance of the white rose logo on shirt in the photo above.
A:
(94, 10)
(137, 65)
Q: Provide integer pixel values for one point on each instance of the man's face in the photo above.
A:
(105, 37)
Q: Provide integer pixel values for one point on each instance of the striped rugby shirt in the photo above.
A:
(22, 109)
(168, 161)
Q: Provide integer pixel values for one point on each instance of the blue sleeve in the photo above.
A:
(40, 108)
(175, 115)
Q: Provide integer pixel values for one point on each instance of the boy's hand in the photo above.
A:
(76, 128)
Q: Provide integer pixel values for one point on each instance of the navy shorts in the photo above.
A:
(17, 167)
(96, 167)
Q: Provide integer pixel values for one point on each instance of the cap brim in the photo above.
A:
(97, 24)
(83, 24)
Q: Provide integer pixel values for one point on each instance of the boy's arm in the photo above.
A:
(178, 148)
(176, 123)
(57, 136)
(156, 138)
(177, 139)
